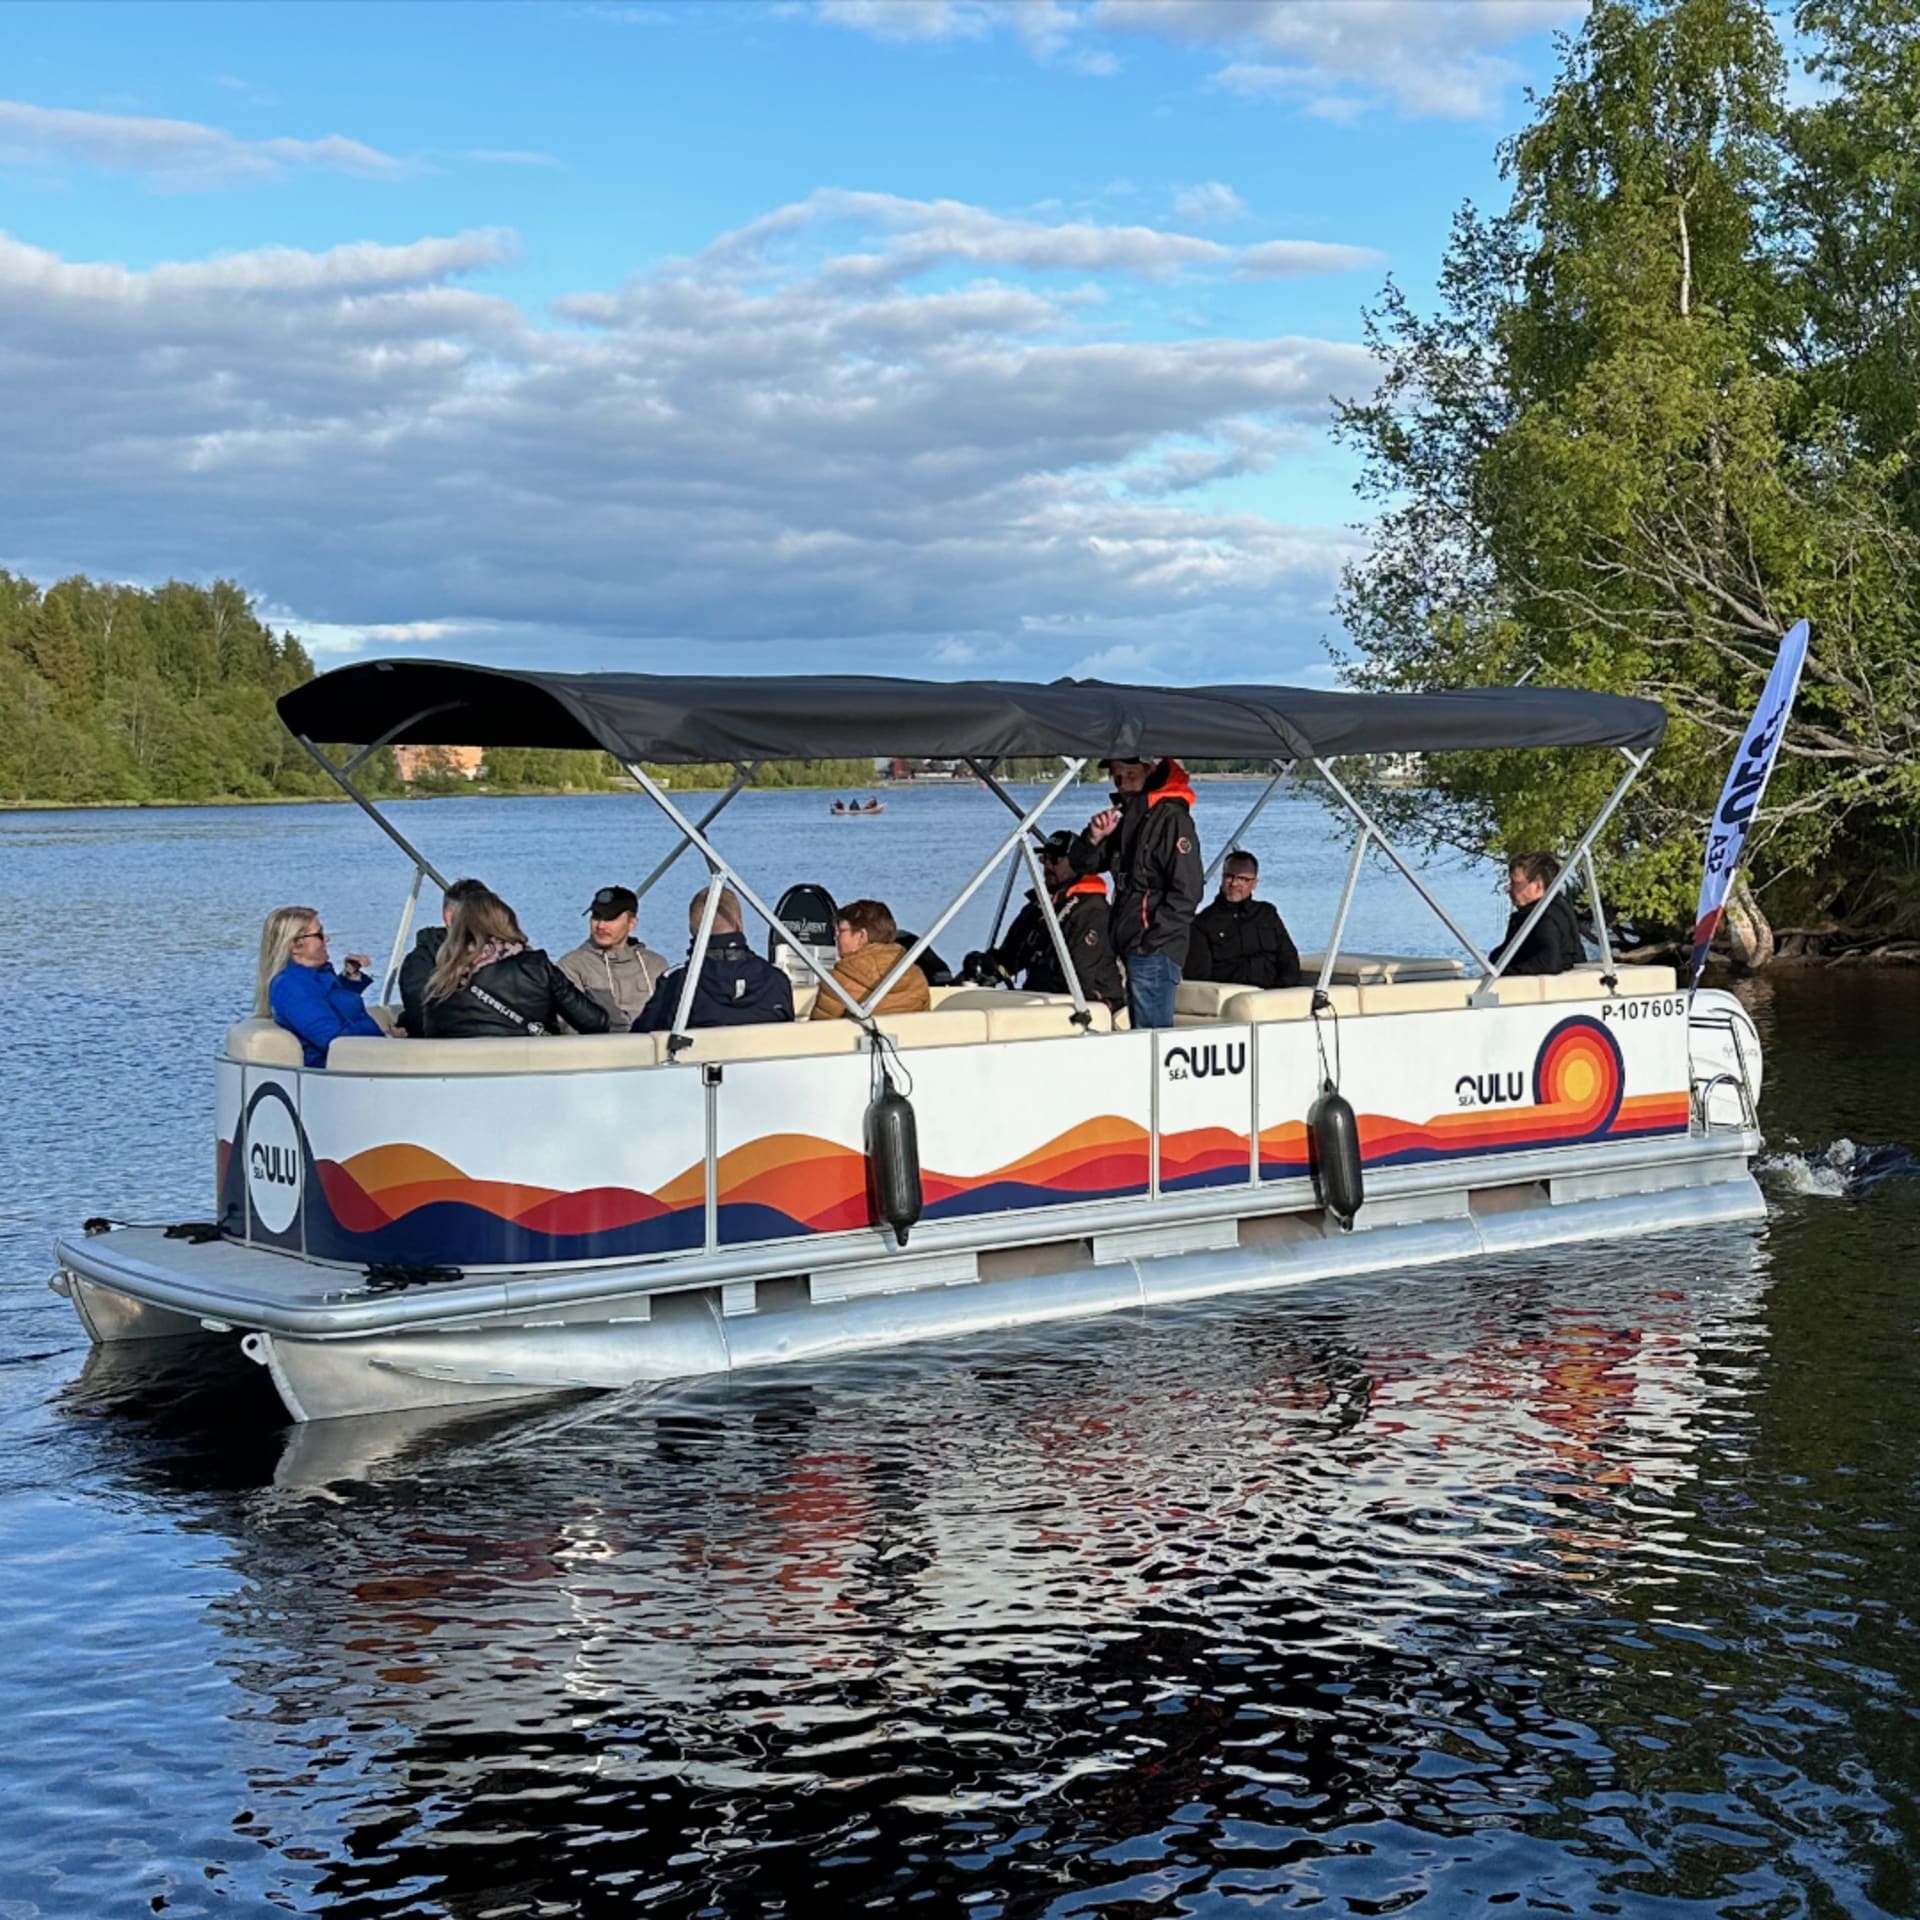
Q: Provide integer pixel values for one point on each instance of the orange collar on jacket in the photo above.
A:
(1168, 782)
(1090, 883)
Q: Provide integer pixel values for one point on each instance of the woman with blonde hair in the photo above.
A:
(488, 983)
(297, 987)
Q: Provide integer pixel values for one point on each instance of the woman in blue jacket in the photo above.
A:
(299, 990)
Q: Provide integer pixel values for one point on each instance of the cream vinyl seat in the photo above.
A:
(1198, 1003)
(265, 1043)
(523, 1053)
(1287, 1003)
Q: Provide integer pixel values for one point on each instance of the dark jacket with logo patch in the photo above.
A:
(1243, 942)
(736, 988)
(1154, 857)
(512, 998)
(1028, 948)
(1553, 946)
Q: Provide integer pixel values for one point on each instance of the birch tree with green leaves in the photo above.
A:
(1631, 446)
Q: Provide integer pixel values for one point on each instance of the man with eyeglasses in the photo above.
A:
(1240, 940)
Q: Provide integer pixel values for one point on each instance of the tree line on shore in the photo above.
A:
(1664, 405)
(120, 694)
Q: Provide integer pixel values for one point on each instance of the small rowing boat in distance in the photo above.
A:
(866, 812)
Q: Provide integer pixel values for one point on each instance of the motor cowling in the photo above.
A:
(893, 1161)
(1335, 1137)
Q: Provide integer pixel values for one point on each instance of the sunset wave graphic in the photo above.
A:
(817, 1185)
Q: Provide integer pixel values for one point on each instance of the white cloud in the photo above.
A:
(177, 154)
(918, 235)
(1209, 202)
(753, 445)
(907, 20)
(1427, 58)
(1337, 58)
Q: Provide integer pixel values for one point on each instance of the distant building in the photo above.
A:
(411, 763)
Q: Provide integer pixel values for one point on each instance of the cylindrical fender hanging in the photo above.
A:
(893, 1160)
(1335, 1135)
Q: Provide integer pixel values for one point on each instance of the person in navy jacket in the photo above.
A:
(299, 990)
(735, 987)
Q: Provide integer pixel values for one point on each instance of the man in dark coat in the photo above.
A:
(1146, 840)
(1554, 946)
(1239, 939)
(1080, 905)
(417, 968)
(735, 988)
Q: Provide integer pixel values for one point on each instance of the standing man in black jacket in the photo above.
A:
(1554, 946)
(1239, 939)
(1146, 840)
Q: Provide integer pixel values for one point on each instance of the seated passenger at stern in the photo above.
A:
(489, 984)
(869, 950)
(417, 968)
(1554, 946)
(1238, 940)
(610, 965)
(1080, 905)
(298, 989)
(736, 988)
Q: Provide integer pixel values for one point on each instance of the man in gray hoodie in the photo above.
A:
(610, 965)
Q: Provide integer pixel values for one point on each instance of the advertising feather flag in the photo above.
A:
(1746, 785)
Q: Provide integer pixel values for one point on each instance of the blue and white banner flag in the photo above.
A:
(1740, 797)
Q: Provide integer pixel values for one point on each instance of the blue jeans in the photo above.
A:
(1151, 979)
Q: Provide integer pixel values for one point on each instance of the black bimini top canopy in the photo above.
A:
(709, 717)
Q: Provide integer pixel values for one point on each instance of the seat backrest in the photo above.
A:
(1633, 979)
(1382, 969)
(994, 999)
(265, 1042)
(1206, 999)
(523, 1053)
(938, 1028)
(1044, 1022)
(769, 1040)
(1414, 996)
(1288, 1003)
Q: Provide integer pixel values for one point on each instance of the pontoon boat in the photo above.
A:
(435, 1222)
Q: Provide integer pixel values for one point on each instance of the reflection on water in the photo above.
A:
(1575, 1583)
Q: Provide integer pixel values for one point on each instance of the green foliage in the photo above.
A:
(111, 693)
(1634, 444)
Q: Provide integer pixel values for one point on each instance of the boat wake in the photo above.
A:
(1840, 1170)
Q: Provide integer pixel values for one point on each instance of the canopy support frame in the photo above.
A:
(743, 774)
(1392, 852)
(1332, 953)
(1482, 992)
(1082, 1016)
(1071, 772)
(720, 870)
(1281, 768)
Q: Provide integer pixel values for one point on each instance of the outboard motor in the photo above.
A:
(1335, 1137)
(893, 1159)
(809, 910)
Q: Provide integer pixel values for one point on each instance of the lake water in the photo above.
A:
(1576, 1584)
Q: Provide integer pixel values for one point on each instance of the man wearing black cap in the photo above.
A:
(1080, 905)
(610, 965)
(1146, 840)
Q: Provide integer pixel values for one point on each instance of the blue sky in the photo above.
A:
(942, 336)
